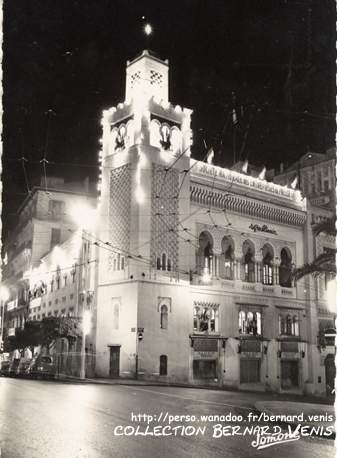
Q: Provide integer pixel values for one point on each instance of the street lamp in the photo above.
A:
(85, 217)
(86, 327)
(4, 296)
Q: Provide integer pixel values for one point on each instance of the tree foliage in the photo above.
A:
(43, 333)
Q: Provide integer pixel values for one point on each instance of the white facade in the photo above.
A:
(195, 259)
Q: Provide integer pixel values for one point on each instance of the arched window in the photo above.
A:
(289, 325)
(267, 265)
(169, 265)
(205, 319)
(250, 323)
(163, 365)
(242, 322)
(205, 254)
(158, 264)
(295, 327)
(163, 317)
(163, 261)
(116, 316)
(227, 259)
(248, 261)
(285, 268)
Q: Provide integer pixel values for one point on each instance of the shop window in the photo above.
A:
(163, 365)
(250, 323)
(288, 325)
(205, 319)
(163, 317)
(285, 268)
(204, 369)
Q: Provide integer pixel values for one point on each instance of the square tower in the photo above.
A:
(146, 77)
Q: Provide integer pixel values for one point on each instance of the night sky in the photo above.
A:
(64, 61)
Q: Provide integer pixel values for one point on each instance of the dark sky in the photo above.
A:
(68, 56)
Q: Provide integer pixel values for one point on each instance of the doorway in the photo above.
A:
(289, 374)
(330, 373)
(114, 361)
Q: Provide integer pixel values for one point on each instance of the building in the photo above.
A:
(315, 175)
(193, 280)
(44, 220)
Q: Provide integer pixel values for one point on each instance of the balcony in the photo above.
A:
(240, 286)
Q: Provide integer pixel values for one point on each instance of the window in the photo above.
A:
(163, 365)
(65, 280)
(205, 319)
(227, 266)
(56, 209)
(49, 303)
(52, 285)
(285, 268)
(71, 296)
(64, 298)
(55, 237)
(248, 262)
(58, 281)
(288, 324)
(163, 317)
(73, 274)
(250, 323)
(205, 254)
(164, 263)
(115, 316)
(267, 267)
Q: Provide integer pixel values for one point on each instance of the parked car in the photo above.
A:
(43, 367)
(4, 368)
(13, 367)
(21, 370)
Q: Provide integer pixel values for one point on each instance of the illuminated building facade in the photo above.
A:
(193, 281)
(44, 221)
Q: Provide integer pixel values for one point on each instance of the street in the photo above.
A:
(68, 420)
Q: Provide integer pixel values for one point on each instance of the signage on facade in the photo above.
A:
(11, 305)
(289, 355)
(263, 228)
(11, 332)
(205, 345)
(205, 355)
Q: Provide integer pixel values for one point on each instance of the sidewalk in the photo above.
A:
(288, 397)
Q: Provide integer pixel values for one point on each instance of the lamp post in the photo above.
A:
(4, 296)
(85, 217)
(86, 326)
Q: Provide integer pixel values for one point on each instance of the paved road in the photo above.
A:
(62, 420)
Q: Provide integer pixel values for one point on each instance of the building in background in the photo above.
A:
(44, 220)
(195, 261)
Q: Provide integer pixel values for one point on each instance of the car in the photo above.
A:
(43, 367)
(21, 370)
(13, 367)
(4, 368)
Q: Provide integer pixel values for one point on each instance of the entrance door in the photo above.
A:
(289, 374)
(249, 370)
(330, 373)
(114, 361)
